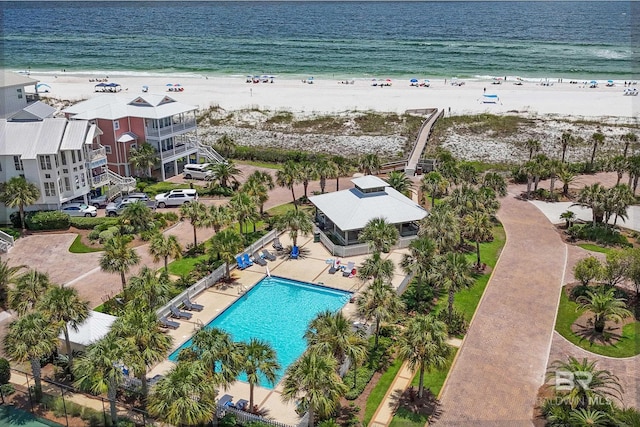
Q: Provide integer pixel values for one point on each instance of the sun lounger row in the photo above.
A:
(347, 271)
(244, 261)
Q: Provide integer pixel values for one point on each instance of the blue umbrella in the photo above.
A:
(169, 84)
(414, 80)
(39, 85)
(594, 82)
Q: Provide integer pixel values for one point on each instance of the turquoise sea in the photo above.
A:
(596, 39)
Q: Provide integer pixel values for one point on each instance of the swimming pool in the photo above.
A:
(276, 310)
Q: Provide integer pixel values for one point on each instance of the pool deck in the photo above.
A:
(312, 267)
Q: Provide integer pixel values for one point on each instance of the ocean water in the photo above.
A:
(596, 39)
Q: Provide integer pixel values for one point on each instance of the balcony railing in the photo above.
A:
(176, 150)
(98, 153)
(100, 180)
(181, 127)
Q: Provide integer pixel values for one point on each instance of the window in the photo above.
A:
(49, 189)
(77, 183)
(56, 159)
(60, 186)
(67, 184)
(47, 175)
(79, 155)
(45, 162)
(81, 167)
(19, 93)
(116, 125)
(73, 157)
(107, 149)
(17, 161)
(63, 156)
(65, 170)
(134, 146)
(84, 182)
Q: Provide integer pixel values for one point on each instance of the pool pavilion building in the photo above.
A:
(342, 215)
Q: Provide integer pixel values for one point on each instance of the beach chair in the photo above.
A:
(191, 306)
(346, 272)
(241, 263)
(333, 268)
(268, 255)
(247, 261)
(277, 245)
(178, 314)
(242, 404)
(295, 252)
(258, 260)
(166, 323)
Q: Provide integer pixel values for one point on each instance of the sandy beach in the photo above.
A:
(331, 96)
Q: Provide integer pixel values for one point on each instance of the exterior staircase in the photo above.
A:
(207, 151)
(6, 242)
(120, 184)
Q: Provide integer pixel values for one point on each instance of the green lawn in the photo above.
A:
(568, 313)
(282, 209)
(378, 392)
(596, 248)
(77, 247)
(184, 266)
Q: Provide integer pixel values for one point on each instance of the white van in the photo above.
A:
(197, 171)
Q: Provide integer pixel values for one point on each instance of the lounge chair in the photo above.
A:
(346, 272)
(333, 269)
(242, 404)
(241, 264)
(268, 255)
(192, 306)
(247, 260)
(178, 314)
(166, 323)
(277, 245)
(295, 252)
(258, 260)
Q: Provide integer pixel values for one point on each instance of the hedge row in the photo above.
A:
(274, 155)
(89, 223)
(47, 220)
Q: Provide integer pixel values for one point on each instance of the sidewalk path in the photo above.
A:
(503, 359)
(387, 408)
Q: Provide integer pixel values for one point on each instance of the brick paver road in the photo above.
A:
(503, 359)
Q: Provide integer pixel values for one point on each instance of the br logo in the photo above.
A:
(567, 381)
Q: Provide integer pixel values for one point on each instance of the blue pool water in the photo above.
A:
(276, 310)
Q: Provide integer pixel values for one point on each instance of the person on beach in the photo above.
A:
(485, 90)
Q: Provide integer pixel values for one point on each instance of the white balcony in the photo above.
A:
(100, 180)
(175, 128)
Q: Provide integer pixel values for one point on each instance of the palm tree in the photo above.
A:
(374, 267)
(147, 291)
(244, 210)
(634, 172)
(467, 173)
(601, 384)
(288, 177)
(604, 305)
(566, 177)
(29, 339)
(593, 197)
(163, 247)
(331, 333)
(150, 345)
(226, 144)
(325, 170)
(380, 302)
(66, 309)
(296, 222)
(258, 360)
(307, 172)
(628, 139)
(137, 215)
(219, 216)
(28, 290)
(400, 182)
(227, 244)
(98, 370)
(369, 164)
(569, 217)
(118, 257)
(197, 214)
(496, 182)
(344, 168)
(225, 173)
(533, 145)
(18, 192)
(7, 275)
(619, 165)
(442, 227)
(434, 184)
(530, 169)
(186, 396)
(379, 234)
(143, 158)
(423, 344)
(453, 271)
(597, 139)
(553, 167)
(566, 140)
(589, 418)
(313, 382)
(617, 200)
(419, 261)
(258, 193)
(477, 228)
(215, 348)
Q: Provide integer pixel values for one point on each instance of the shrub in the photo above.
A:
(457, 325)
(108, 234)
(192, 251)
(170, 216)
(229, 420)
(47, 220)
(11, 232)
(579, 291)
(5, 371)
(600, 234)
(7, 389)
(88, 223)
(363, 376)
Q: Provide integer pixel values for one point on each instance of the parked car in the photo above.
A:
(197, 171)
(99, 201)
(79, 209)
(176, 197)
(116, 207)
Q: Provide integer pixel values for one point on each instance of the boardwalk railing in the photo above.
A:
(206, 282)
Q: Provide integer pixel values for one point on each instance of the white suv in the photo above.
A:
(176, 197)
(197, 171)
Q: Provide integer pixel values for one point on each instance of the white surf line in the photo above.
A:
(82, 276)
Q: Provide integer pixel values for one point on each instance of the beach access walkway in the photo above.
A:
(423, 136)
(502, 363)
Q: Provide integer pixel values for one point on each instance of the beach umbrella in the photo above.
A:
(101, 85)
(39, 85)
(414, 80)
(177, 84)
(609, 81)
(594, 82)
(426, 80)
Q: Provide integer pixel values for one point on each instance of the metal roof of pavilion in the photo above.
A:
(113, 107)
(91, 330)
